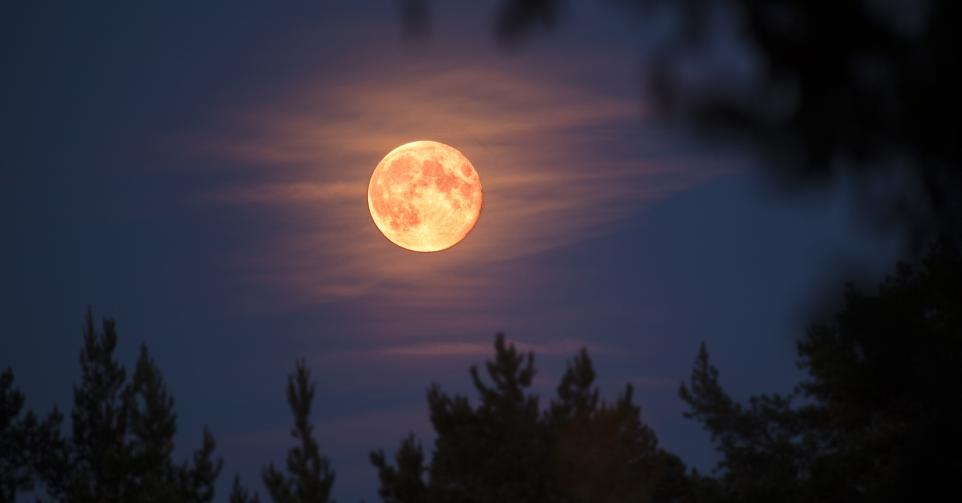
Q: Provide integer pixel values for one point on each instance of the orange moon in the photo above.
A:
(425, 196)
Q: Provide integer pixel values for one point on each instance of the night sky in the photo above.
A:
(198, 171)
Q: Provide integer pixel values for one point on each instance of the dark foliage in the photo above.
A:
(516, 19)
(506, 448)
(865, 88)
(404, 481)
(122, 440)
(15, 474)
(415, 18)
(309, 477)
(873, 421)
(239, 494)
(868, 90)
(22, 437)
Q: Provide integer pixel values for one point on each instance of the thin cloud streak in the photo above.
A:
(551, 156)
(448, 349)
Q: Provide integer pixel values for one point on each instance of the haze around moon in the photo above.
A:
(425, 196)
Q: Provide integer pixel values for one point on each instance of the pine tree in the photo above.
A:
(153, 425)
(577, 393)
(15, 473)
(604, 452)
(763, 454)
(239, 494)
(122, 442)
(309, 478)
(877, 419)
(495, 452)
(23, 438)
(94, 466)
(506, 449)
(404, 481)
(197, 480)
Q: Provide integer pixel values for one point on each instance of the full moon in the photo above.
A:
(425, 196)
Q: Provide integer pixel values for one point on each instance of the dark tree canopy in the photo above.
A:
(403, 482)
(875, 419)
(94, 465)
(15, 472)
(863, 88)
(505, 448)
(868, 90)
(309, 477)
(23, 436)
(121, 443)
(495, 451)
(153, 424)
(239, 494)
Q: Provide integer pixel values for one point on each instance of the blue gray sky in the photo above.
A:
(198, 172)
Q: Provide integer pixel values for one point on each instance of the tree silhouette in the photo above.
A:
(22, 437)
(122, 441)
(93, 467)
(875, 420)
(577, 394)
(402, 483)
(309, 478)
(495, 452)
(860, 88)
(507, 449)
(762, 454)
(604, 452)
(853, 88)
(516, 19)
(239, 494)
(15, 474)
(152, 422)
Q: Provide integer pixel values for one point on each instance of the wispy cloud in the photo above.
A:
(289, 193)
(419, 350)
(448, 349)
(559, 164)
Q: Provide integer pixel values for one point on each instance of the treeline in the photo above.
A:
(875, 419)
(120, 443)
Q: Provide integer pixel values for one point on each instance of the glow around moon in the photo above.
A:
(425, 196)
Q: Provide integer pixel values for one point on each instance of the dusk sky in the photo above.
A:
(199, 170)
